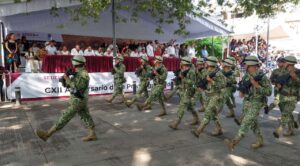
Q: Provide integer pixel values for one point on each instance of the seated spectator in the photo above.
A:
(108, 52)
(150, 50)
(32, 64)
(76, 50)
(50, 48)
(142, 53)
(99, 52)
(134, 53)
(64, 51)
(191, 51)
(165, 54)
(125, 52)
(89, 51)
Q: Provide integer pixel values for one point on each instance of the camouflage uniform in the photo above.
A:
(79, 88)
(187, 94)
(230, 87)
(288, 94)
(213, 99)
(237, 74)
(276, 73)
(252, 104)
(200, 74)
(157, 92)
(119, 79)
(144, 73)
(77, 105)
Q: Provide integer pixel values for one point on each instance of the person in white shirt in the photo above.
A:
(64, 51)
(142, 53)
(134, 53)
(51, 49)
(150, 50)
(89, 51)
(76, 51)
(108, 52)
(171, 50)
(99, 52)
(192, 51)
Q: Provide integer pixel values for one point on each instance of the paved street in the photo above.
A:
(127, 137)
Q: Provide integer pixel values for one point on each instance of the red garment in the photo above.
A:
(157, 52)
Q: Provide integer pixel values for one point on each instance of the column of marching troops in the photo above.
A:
(205, 82)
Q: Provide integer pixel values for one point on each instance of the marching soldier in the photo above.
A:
(119, 79)
(188, 78)
(215, 82)
(274, 75)
(159, 75)
(237, 74)
(78, 85)
(200, 74)
(254, 95)
(230, 86)
(288, 94)
(143, 72)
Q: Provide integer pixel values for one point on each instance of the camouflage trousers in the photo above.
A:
(156, 94)
(249, 118)
(199, 96)
(275, 102)
(118, 88)
(142, 90)
(213, 104)
(227, 100)
(186, 103)
(176, 90)
(287, 105)
(77, 106)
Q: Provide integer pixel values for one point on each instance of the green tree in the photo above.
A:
(213, 48)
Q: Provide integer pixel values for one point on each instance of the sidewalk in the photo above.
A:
(128, 137)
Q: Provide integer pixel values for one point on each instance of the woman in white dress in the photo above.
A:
(32, 64)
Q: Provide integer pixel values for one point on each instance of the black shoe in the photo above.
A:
(266, 108)
(296, 125)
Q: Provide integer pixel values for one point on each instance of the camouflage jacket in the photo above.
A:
(145, 73)
(119, 71)
(258, 94)
(80, 83)
(291, 88)
(218, 83)
(275, 73)
(160, 78)
(188, 83)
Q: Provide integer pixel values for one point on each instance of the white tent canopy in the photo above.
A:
(40, 20)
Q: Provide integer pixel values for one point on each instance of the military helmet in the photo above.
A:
(78, 60)
(120, 58)
(185, 61)
(144, 58)
(158, 58)
(228, 62)
(251, 61)
(280, 59)
(290, 60)
(212, 61)
(200, 61)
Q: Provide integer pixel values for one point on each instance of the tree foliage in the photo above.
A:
(214, 46)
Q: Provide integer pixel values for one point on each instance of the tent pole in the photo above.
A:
(213, 47)
(114, 27)
(2, 36)
(268, 37)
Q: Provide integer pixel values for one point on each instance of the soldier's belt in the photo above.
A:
(288, 94)
(212, 94)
